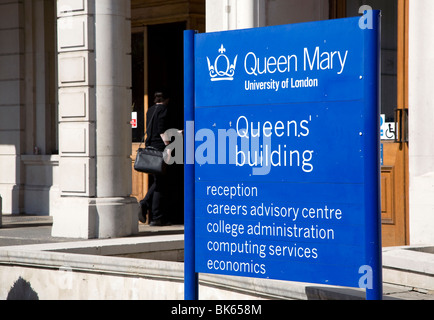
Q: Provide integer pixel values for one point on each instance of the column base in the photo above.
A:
(12, 198)
(96, 218)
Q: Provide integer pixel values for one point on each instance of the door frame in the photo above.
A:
(403, 105)
(395, 220)
(140, 181)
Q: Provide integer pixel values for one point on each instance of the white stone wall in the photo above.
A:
(421, 121)
(12, 88)
(27, 106)
(86, 275)
(232, 14)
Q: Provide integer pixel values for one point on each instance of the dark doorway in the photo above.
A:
(165, 61)
(166, 67)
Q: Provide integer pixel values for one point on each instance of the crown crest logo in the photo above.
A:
(222, 69)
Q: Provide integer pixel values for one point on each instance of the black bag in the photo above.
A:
(150, 160)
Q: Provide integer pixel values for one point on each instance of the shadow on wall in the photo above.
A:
(22, 290)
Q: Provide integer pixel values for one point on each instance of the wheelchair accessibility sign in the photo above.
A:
(387, 131)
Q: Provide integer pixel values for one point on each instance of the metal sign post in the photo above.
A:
(191, 280)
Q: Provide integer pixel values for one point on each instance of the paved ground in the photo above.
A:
(23, 230)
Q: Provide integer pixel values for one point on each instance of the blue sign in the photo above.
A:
(286, 152)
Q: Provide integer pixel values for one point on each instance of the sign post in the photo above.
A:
(191, 280)
(285, 181)
(374, 290)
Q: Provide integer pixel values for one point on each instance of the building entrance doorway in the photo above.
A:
(157, 64)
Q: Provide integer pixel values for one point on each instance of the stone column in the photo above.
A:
(94, 66)
(421, 119)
